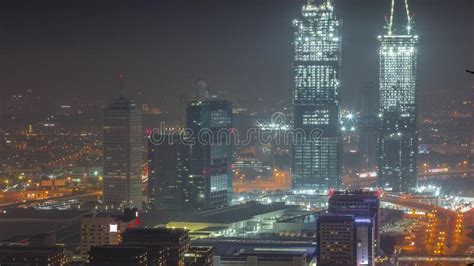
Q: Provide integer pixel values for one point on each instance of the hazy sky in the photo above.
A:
(74, 47)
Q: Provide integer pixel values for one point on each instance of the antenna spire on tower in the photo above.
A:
(122, 87)
(391, 18)
(409, 18)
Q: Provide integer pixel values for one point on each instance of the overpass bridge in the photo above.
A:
(449, 173)
(453, 253)
(434, 259)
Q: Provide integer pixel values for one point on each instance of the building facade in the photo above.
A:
(33, 255)
(344, 239)
(317, 56)
(163, 246)
(103, 229)
(199, 256)
(122, 155)
(211, 154)
(168, 173)
(118, 255)
(368, 127)
(335, 240)
(398, 139)
(361, 204)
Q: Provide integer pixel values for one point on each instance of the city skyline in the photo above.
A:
(84, 75)
(216, 133)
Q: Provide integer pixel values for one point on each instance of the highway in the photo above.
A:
(454, 172)
(61, 198)
(440, 238)
(463, 260)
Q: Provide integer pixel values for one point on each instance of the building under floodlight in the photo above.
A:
(317, 55)
(398, 139)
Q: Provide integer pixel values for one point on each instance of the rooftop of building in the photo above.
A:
(200, 249)
(32, 214)
(236, 213)
(304, 218)
(333, 217)
(356, 192)
(121, 103)
(257, 247)
(212, 229)
(116, 251)
(22, 249)
(127, 216)
(159, 233)
(266, 257)
(353, 194)
(19, 225)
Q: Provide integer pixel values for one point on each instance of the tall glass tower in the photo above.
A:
(398, 139)
(168, 179)
(210, 181)
(317, 55)
(122, 149)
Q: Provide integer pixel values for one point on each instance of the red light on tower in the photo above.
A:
(148, 131)
(331, 192)
(378, 193)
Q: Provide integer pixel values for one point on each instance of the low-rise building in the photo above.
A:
(163, 246)
(32, 255)
(199, 256)
(104, 229)
(117, 255)
(304, 224)
(344, 239)
(270, 251)
(245, 219)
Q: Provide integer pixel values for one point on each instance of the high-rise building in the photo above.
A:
(344, 239)
(168, 163)
(210, 180)
(368, 127)
(122, 155)
(317, 57)
(361, 204)
(398, 139)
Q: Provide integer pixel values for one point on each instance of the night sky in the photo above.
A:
(78, 48)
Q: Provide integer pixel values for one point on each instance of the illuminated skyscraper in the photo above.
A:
(317, 56)
(210, 179)
(122, 151)
(398, 140)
